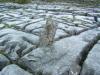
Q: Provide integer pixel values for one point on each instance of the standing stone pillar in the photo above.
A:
(48, 33)
(73, 16)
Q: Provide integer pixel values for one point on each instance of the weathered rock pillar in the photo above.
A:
(73, 16)
(95, 18)
(49, 31)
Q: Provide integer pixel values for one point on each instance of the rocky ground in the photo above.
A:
(76, 45)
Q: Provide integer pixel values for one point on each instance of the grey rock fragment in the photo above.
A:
(91, 65)
(14, 70)
(2, 26)
(0, 73)
(3, 61)
(15, 42)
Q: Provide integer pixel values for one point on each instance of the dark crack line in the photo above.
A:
(30, 24)
(77, 33)
(84, 54)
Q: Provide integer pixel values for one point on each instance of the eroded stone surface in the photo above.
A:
(3, 61)
(13, 42)
(91, 65)
(14, 70)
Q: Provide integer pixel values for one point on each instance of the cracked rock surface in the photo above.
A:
(91, 65)
(14, 70)
(3, 61)
(62, 58)
(66, 44)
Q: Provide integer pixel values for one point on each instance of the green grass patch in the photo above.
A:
(81, 2)
(89, 3)
(17, 1)
(22, 1)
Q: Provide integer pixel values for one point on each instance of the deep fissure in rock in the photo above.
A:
(87, 49)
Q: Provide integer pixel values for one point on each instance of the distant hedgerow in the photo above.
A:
(17, 1)
(22, 1)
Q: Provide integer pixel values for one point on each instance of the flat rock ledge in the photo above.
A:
(64, 57)
(91, 65)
